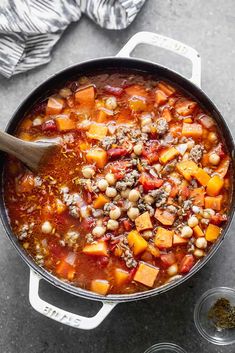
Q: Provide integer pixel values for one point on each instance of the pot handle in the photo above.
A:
(169, 44)
(63, 316)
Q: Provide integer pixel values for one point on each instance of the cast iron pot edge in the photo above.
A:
(132, 65)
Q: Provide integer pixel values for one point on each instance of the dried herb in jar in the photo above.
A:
(222, 314)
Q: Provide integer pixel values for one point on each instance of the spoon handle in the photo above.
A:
(30, 153)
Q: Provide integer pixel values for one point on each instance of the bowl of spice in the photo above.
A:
(214, 315)
(165, 348)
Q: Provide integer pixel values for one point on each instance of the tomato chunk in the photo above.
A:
(186, 264)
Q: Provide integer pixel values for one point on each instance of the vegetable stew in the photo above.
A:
(137, 192)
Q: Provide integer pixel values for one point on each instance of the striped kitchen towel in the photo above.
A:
(29, 29)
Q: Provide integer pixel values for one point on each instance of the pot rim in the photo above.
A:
(77, 290)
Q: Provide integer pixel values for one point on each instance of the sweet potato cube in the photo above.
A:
(100, 201)
(143, 222)
(214, 202)
(100, 286)
(178, 240)
(54, 105)
(214, 185)
(197, 231)
(136, 90)
(160, 97)
(164, 217)
(153, 250)
(202, 176)
(97, 131)
(121, 276)
(146, 274)
(164, 238)
(166, 114)
(96, 249)
(198, 196)
(136, 242)
(185, 107)
(65, 124)
(187, 169)
(192, 130)
(65, 270)
(166, 88)
(168, 155)
(137, 104)
(212, 232)
(98, 156)
(223, 167)
(85, 96)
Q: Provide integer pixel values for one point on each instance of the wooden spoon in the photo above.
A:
(30, 153)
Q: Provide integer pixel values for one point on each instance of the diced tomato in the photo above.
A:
(117, 152)
(186, 264)
(102, 261)
(218, 218)
(219, 150)
(119, 169)
(49, 125)
(151, 153)
(168, 259)
(184, 192)
(115, 91)
(149, 182)
(127, 225)
(132, 273)
(87, 224)
(57, 250)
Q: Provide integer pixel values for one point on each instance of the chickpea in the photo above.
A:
(196, 209)
(111, 192)
(65, 92)
(214, 159)
(186, 232)
(88, 172)
(102, 184)
(190, 144)
(201, 243)
(134, 195)
(110, 178)
(115, 213)
(98, 231)
(112, 224)
(146, 129)
(147, 234)
(146, 121)
(199, 253)
(208, 213)
(111, 103)
(133, 213)
(138, 148)
(212, 137)
(148, 199)
(172, 270)
(46, 227)
(125, 193)
(157, 167)
(37, 121)
(185, 156)
(193, 221)
(167, 187)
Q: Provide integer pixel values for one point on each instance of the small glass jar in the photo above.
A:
(165, 348)
(204, 325)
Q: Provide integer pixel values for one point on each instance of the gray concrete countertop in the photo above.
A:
(209, 26)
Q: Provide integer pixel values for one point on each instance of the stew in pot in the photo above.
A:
(137, 192)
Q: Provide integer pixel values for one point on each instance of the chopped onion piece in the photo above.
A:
(70, 258)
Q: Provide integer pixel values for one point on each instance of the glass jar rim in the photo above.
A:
(165, 345)
(198, 306)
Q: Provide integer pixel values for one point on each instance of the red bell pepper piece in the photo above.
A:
(115, 91)
(186, 264)
(49, 125)
(149, 182)
(117, 152)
